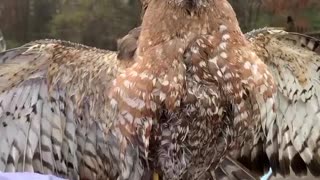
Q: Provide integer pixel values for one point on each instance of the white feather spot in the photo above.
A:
(163, 96)
(224, 55)
(247, 65)
(180, 77)
(177, 103)
(184, 66)
(119, 91)
(194, 68)
(114, 82)
(223, 69)
(133, 73)
(222, 28)
(199, 41)
(194, 50)
(134, 103)
(143, 95)
(228, 75)
(225, 37)
(223, 45)
(214, 60)
(154, 81)
(165, 83)
(128, 84)
(128, 116)
(202, 64)
(113, 103)
(196, 77)
(153, 106)
(144, 75)
(254, 68)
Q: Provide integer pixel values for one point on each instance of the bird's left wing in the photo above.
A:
(51, 105)
(290, 143)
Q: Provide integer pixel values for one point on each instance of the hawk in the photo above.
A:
(58, 80)
(201, 95)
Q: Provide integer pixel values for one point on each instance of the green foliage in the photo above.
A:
(100, 22)
(313, 14)
(40, 14)
(92, 22)
(95, 23)
(12, 43)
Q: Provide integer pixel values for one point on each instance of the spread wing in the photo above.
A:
(290, 142)
(53, 114)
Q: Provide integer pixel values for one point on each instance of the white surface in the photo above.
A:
(27, 176)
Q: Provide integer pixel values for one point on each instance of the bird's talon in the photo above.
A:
(155, 176)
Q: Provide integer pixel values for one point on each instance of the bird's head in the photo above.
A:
(164, 20)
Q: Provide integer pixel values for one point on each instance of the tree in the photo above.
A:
(95, 23)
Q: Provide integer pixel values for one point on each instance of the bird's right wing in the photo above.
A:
(51, 109)
(290, 141)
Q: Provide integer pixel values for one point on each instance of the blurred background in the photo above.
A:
(100, 22)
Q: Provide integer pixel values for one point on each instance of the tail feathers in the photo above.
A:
(230, 169)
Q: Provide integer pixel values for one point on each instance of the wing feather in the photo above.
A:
(292, 140)
(53, 110)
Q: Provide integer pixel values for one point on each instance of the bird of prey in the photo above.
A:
(200, 92)
(55, 112)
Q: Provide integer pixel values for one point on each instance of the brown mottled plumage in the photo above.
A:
(193, 94)
(54, 115)
(290, 141)
(199, 84)
(278, 138)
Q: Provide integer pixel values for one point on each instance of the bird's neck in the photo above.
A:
(163, 22)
